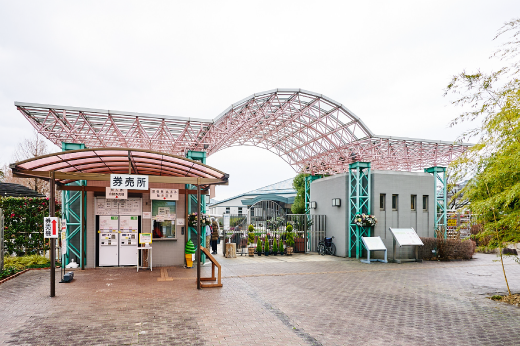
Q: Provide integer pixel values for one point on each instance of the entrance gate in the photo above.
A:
(270, 220)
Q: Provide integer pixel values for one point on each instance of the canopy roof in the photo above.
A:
(98, 164)
(310, 131)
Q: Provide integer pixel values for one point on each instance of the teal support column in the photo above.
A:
(359, 191)
(440, 193)
(192, 199)
(308, 180)
(74, 210)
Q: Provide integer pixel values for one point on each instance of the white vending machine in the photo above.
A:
(128, 240)
(108, 241)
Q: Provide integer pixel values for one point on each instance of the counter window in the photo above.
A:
(164, 215)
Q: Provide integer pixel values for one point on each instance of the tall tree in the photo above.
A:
(493, 164)
(28, 148)
(298, 206)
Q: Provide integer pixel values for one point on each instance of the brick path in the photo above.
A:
(299, 300)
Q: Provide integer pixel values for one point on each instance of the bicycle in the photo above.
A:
(327, 247)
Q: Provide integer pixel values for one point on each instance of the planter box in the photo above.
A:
(299, 245)
(289, 250)
(251, 251)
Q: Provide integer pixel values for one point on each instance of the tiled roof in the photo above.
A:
(16, 190)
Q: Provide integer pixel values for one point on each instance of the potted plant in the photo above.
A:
(259, 247)
(365, 220)
(266, 246)
(275, 247)
(250, 241)
(289, 241)
(189, 252)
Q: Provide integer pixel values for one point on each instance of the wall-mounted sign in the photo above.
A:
(129, 181)
(180, 222)
(147, 214)
(145, 238)
(51, 226)
(164, 194)
(452, 222)
(116, 193)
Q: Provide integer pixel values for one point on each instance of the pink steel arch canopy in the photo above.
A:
(311, 132)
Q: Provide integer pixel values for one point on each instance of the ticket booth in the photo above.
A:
(109, 223)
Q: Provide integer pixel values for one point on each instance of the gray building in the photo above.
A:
(398, 200)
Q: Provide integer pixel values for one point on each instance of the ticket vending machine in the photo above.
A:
(108, 241)
(128, 240)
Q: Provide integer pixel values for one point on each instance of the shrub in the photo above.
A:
(258, 245)
(289, 228)
(290, 239)
(266, 245)
(250, 238)
(250, 228)
(446, 249)
(23, 224)
(25, 261)
(275, 245)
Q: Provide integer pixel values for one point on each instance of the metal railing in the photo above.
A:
(309, 230)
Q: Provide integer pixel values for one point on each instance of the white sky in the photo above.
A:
(387, 61)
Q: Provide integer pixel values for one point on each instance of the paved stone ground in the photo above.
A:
(299, 300)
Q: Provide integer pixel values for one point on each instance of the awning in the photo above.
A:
(98, 164)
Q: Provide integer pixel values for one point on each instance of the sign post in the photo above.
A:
(374, 244)
(52, 229)
(406, 237)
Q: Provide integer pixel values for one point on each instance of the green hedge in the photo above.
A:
(23, 224)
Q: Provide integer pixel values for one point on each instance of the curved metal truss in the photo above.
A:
(311, 132)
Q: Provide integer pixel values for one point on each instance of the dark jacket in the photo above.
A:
(214, 233)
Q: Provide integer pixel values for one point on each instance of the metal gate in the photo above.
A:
(269, 224)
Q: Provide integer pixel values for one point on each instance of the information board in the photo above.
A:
(164, 194)
(116, 193)
(373, 243)
(145, 238)
(227, 219)
(130, 206)
(406, 236)
(106, 206)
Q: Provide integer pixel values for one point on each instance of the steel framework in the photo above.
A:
(359, 191)
(311, 132)
(440, 203)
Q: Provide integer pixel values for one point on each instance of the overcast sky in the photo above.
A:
(387, 61)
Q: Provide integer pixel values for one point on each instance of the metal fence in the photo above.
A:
(309, 230)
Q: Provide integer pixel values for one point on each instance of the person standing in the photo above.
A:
(214, 236)
(207, 232)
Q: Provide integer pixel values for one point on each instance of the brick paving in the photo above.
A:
(298, 300)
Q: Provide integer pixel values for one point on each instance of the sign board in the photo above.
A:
(406, 236)
(51, 226)
(227, 219)
(129, 181)
(145, 238)
(147, 214)
(452, 222)
(180, 222)
(373, 243)
(164, 194)
(116, 193)
(130, 206)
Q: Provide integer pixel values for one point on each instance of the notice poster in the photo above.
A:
(145, 238)
(226, 221)
(406, 236)
(51, 227)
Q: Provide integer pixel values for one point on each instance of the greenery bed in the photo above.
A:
(13, 265)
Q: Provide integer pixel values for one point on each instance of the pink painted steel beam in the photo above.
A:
(311, 132)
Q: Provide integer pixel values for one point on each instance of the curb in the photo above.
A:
(20, 273)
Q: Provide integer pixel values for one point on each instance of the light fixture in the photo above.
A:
(336, 202)
(313, 205)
